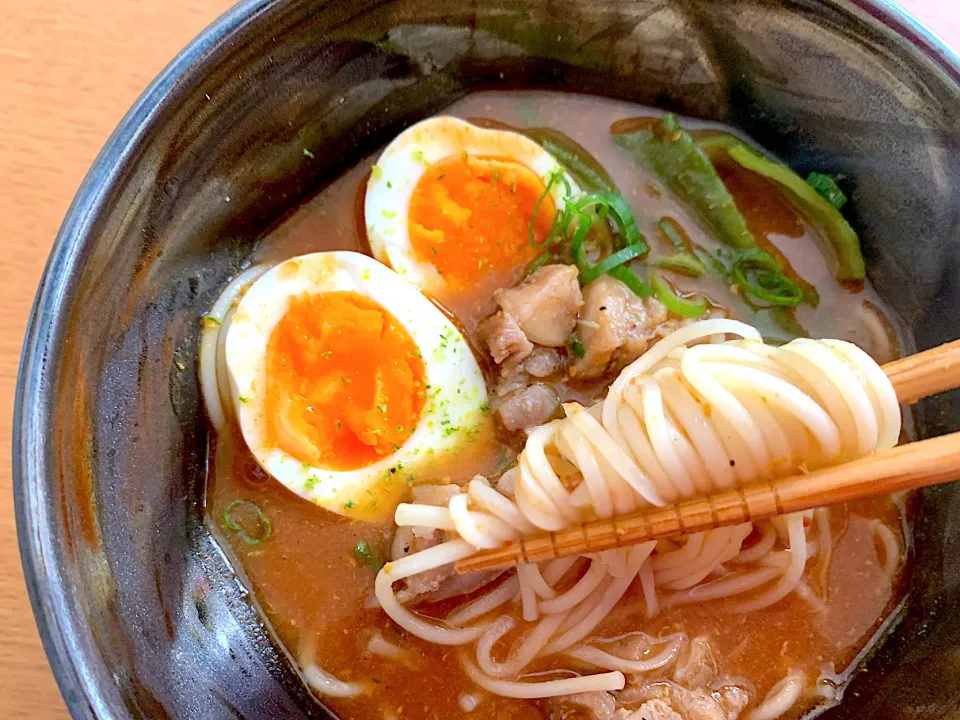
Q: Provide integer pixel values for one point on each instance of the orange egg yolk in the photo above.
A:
(345, 382)
(470, 218)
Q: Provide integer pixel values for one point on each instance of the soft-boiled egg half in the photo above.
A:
(449, 205)
(348, 382)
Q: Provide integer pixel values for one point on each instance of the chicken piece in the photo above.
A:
(542, 362)
(505, 483)
(733, 699)
(696, 666)
(544, 305)
(688, 704)
(508, 346)
(615, 326)
(526, 408)
(651, 710)
(596, 705)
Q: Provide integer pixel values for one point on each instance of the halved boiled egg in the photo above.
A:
(449, 205)
(348, 382)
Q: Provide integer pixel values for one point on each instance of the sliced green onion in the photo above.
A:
(630, 279)
(262, 522)
(674, 303)
(681, 262)
(618, 258)
(760, 276)
(667, 228)
(554, 179)
(577, 347)
(828, 189)
(620, 211)
(368, 556)
(542, 260)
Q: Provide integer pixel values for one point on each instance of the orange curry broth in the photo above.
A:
(470, 218)
(317, 600)
(344, 381)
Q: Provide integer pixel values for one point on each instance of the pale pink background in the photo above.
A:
(941, 16)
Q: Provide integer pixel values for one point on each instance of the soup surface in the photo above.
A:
(316, 590)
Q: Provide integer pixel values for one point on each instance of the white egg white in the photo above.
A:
(406, 159)
(454, 411)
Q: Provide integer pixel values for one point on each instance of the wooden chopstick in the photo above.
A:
(915, 465)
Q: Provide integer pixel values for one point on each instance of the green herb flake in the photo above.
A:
(309, 154)
(389, 214)
(244, 399)
(376, 172)
(349, 504)
(576, 347)
(367, 555)
(211, 321)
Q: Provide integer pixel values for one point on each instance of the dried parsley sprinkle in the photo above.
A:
(382, 408)
(484, 408)
(338, 425)
(309, 154)
(345, 379)
(376, 172)
(211, 321)
(367, 555)
(244, 399)
(326, 353)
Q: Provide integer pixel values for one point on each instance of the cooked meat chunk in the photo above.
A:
(615, 326)
(688, 704)
(542, 362)
(526, 408)
(582, 706)
(545, 305)
(507, 344)
(442, 582)
(653, 710)
(733, 699)
(696, 667)
(505, 483)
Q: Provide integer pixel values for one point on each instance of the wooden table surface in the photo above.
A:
(69, 70)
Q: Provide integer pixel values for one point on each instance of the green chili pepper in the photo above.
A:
(262, 522)
(674, 303)
(681, 262)
(825, 215)
(679, 162)
(582, 166)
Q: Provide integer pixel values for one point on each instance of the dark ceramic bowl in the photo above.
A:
(140, 614)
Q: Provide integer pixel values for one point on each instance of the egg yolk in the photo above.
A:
(345, 382)
(470, 218)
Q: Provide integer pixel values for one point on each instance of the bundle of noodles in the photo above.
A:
(686, 418)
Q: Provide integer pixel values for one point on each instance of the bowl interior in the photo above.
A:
(141, 613)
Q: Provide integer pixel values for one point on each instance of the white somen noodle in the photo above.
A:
(683, 420)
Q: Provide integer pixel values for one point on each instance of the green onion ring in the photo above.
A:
(261, 518)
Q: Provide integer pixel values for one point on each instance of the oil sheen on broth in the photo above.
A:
(316, 592)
